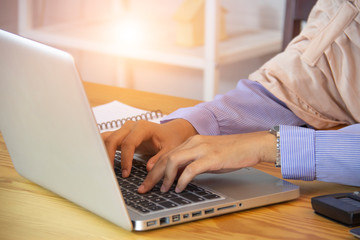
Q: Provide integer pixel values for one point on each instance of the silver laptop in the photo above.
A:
(53, 140)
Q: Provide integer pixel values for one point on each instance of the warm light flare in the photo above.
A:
(129, 31)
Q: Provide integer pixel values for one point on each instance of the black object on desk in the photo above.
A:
(341, 207)
(355, 232)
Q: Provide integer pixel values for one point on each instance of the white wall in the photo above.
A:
(153, 77)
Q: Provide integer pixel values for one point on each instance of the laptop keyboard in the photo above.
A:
(155, 200)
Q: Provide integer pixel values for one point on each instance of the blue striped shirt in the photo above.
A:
(306, 154)
(331, 156)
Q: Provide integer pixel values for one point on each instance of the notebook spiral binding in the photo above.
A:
(117, 123)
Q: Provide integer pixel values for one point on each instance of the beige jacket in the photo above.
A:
(318, 75)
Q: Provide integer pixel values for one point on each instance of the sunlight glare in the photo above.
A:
(129, 31)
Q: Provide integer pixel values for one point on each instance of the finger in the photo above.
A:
(109, 145)
(112, 140)
(165, 149)
(153, 177)
(105, 135)
(174, 160)
(134, 138)
(177, 159)
(151, 162)
(127, 154)
(190, 172)
(166, 164)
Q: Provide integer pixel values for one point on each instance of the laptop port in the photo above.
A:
(226, 207)
(176, 218)
(164, 220)
(151, 223)
(196, 214)
(209, 211)
(186, 215)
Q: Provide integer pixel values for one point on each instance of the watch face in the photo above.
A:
(275, 130)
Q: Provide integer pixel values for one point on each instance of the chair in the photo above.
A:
(296, 12)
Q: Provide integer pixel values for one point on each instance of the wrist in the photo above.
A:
(275, 131)
(270, 148)
(182, 128)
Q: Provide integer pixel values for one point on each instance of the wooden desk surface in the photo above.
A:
(28, 211)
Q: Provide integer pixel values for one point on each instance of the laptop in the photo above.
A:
(54, 141)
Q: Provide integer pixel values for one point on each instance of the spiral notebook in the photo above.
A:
(113, 115)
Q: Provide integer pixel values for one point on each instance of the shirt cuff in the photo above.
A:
(297, 151)
(337, 156)
(202, 119)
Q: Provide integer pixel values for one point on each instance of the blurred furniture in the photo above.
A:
(190, 28)
(297, 11)
(98, 36)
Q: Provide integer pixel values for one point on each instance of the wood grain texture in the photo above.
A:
(28, 211)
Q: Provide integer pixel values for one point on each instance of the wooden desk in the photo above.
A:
(28, 211)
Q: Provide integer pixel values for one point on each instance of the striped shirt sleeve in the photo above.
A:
(297, 153)
(247, 108)
(330, 156)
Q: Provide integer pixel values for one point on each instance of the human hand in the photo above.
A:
(216, 154)
(146, 138)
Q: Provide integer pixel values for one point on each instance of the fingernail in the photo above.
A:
(124, 173)
(177, 190)
(163, 188)
(149, 166)
(141, 188)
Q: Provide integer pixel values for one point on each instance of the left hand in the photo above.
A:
(216, 154)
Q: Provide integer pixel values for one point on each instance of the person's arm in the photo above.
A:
(331, 155)
(247, 108)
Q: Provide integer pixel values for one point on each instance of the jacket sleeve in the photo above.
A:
(330, 156)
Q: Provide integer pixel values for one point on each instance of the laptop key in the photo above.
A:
(168, 204)
(134, 180)
(155, 208)
(150, 196)
(155, 200)
(203, 193)
(132, 188)
(211, 196)
(192, 197)
(140, 201)
(141, 209)
(194, 188)
(147, 204)
(169, 195)
(158, 199)
(180, 201)
(155, 190)
(134, 198)
(131, 204)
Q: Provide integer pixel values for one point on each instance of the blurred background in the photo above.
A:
(135, 43)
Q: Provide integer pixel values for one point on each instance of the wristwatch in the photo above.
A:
(275, 130)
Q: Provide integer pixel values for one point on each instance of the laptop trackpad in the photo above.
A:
(244, 183)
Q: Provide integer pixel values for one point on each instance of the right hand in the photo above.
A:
(212, 154)
(146, 138)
